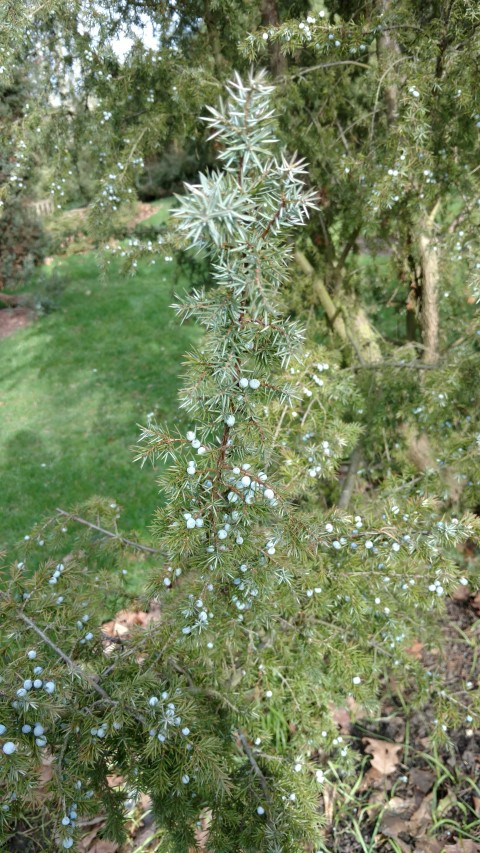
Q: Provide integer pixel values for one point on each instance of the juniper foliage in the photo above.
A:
(273, 610)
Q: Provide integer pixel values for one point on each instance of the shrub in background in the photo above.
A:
(22, 243)
(272, 608)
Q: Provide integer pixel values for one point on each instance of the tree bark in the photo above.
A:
(334, 317)
(430, 276)
(388, 51)
(270, 18)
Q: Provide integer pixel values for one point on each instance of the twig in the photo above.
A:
(309, 70)
(256, 769)
(384, 365)
(109, 533)
(348, 486)
(61, 654)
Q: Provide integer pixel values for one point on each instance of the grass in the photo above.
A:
(75, 384)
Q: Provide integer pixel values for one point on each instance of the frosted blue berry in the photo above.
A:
(38, 730)
(49, 687)
(67, 842)
(65, 820)
(185, 779)
(260, 810)
(32, 654)
(37, 683)
(190, 523)
(9, 748)
(230, 420)
(26, 729)
(3, 729)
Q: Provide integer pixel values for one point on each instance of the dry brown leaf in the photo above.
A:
(463, 845)
(476, 804)
(392, 825)
(341, 718)
(429, 845)
(114, 629)
(475, 602)
(421, 779)
(125, 620)
(372, 779)
(85, 841)
(384, 754)
(114, 780)
(445, 804)
(376, 801)
(143, 803)
(45, 771)
(202, 831)
(328, 803)
(421, 818)
(461, 593)
(397, 805)
(101, 845)
(415, 650)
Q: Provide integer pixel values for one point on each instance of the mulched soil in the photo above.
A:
(420, 807)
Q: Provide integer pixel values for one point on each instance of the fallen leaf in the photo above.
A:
(476, 804)
(143, 803)
(202, 831)
(422, 817)
(372, 779)
(114, 629)
(475, 602)
(421, 779)
(445, 804)
(101, 845)
(463, 845)
(461, 593)
(114, 780)
(328, 802)
(429, 845)
(85, 841)
(376, 801)
(392, 825)
(384, 754)
(397, 805)
(45, 771)
(415, 650)
(341, 718)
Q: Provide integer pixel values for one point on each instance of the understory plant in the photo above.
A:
(275, 607)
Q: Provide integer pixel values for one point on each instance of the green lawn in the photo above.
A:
(75, 384)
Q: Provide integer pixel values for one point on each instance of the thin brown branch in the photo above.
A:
(111, 535)
(256, 769)
(349, 483)
(74, 667)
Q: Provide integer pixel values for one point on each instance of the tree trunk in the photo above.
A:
(270, 18)
(430, 276)
(388, 51)
(213, 37)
